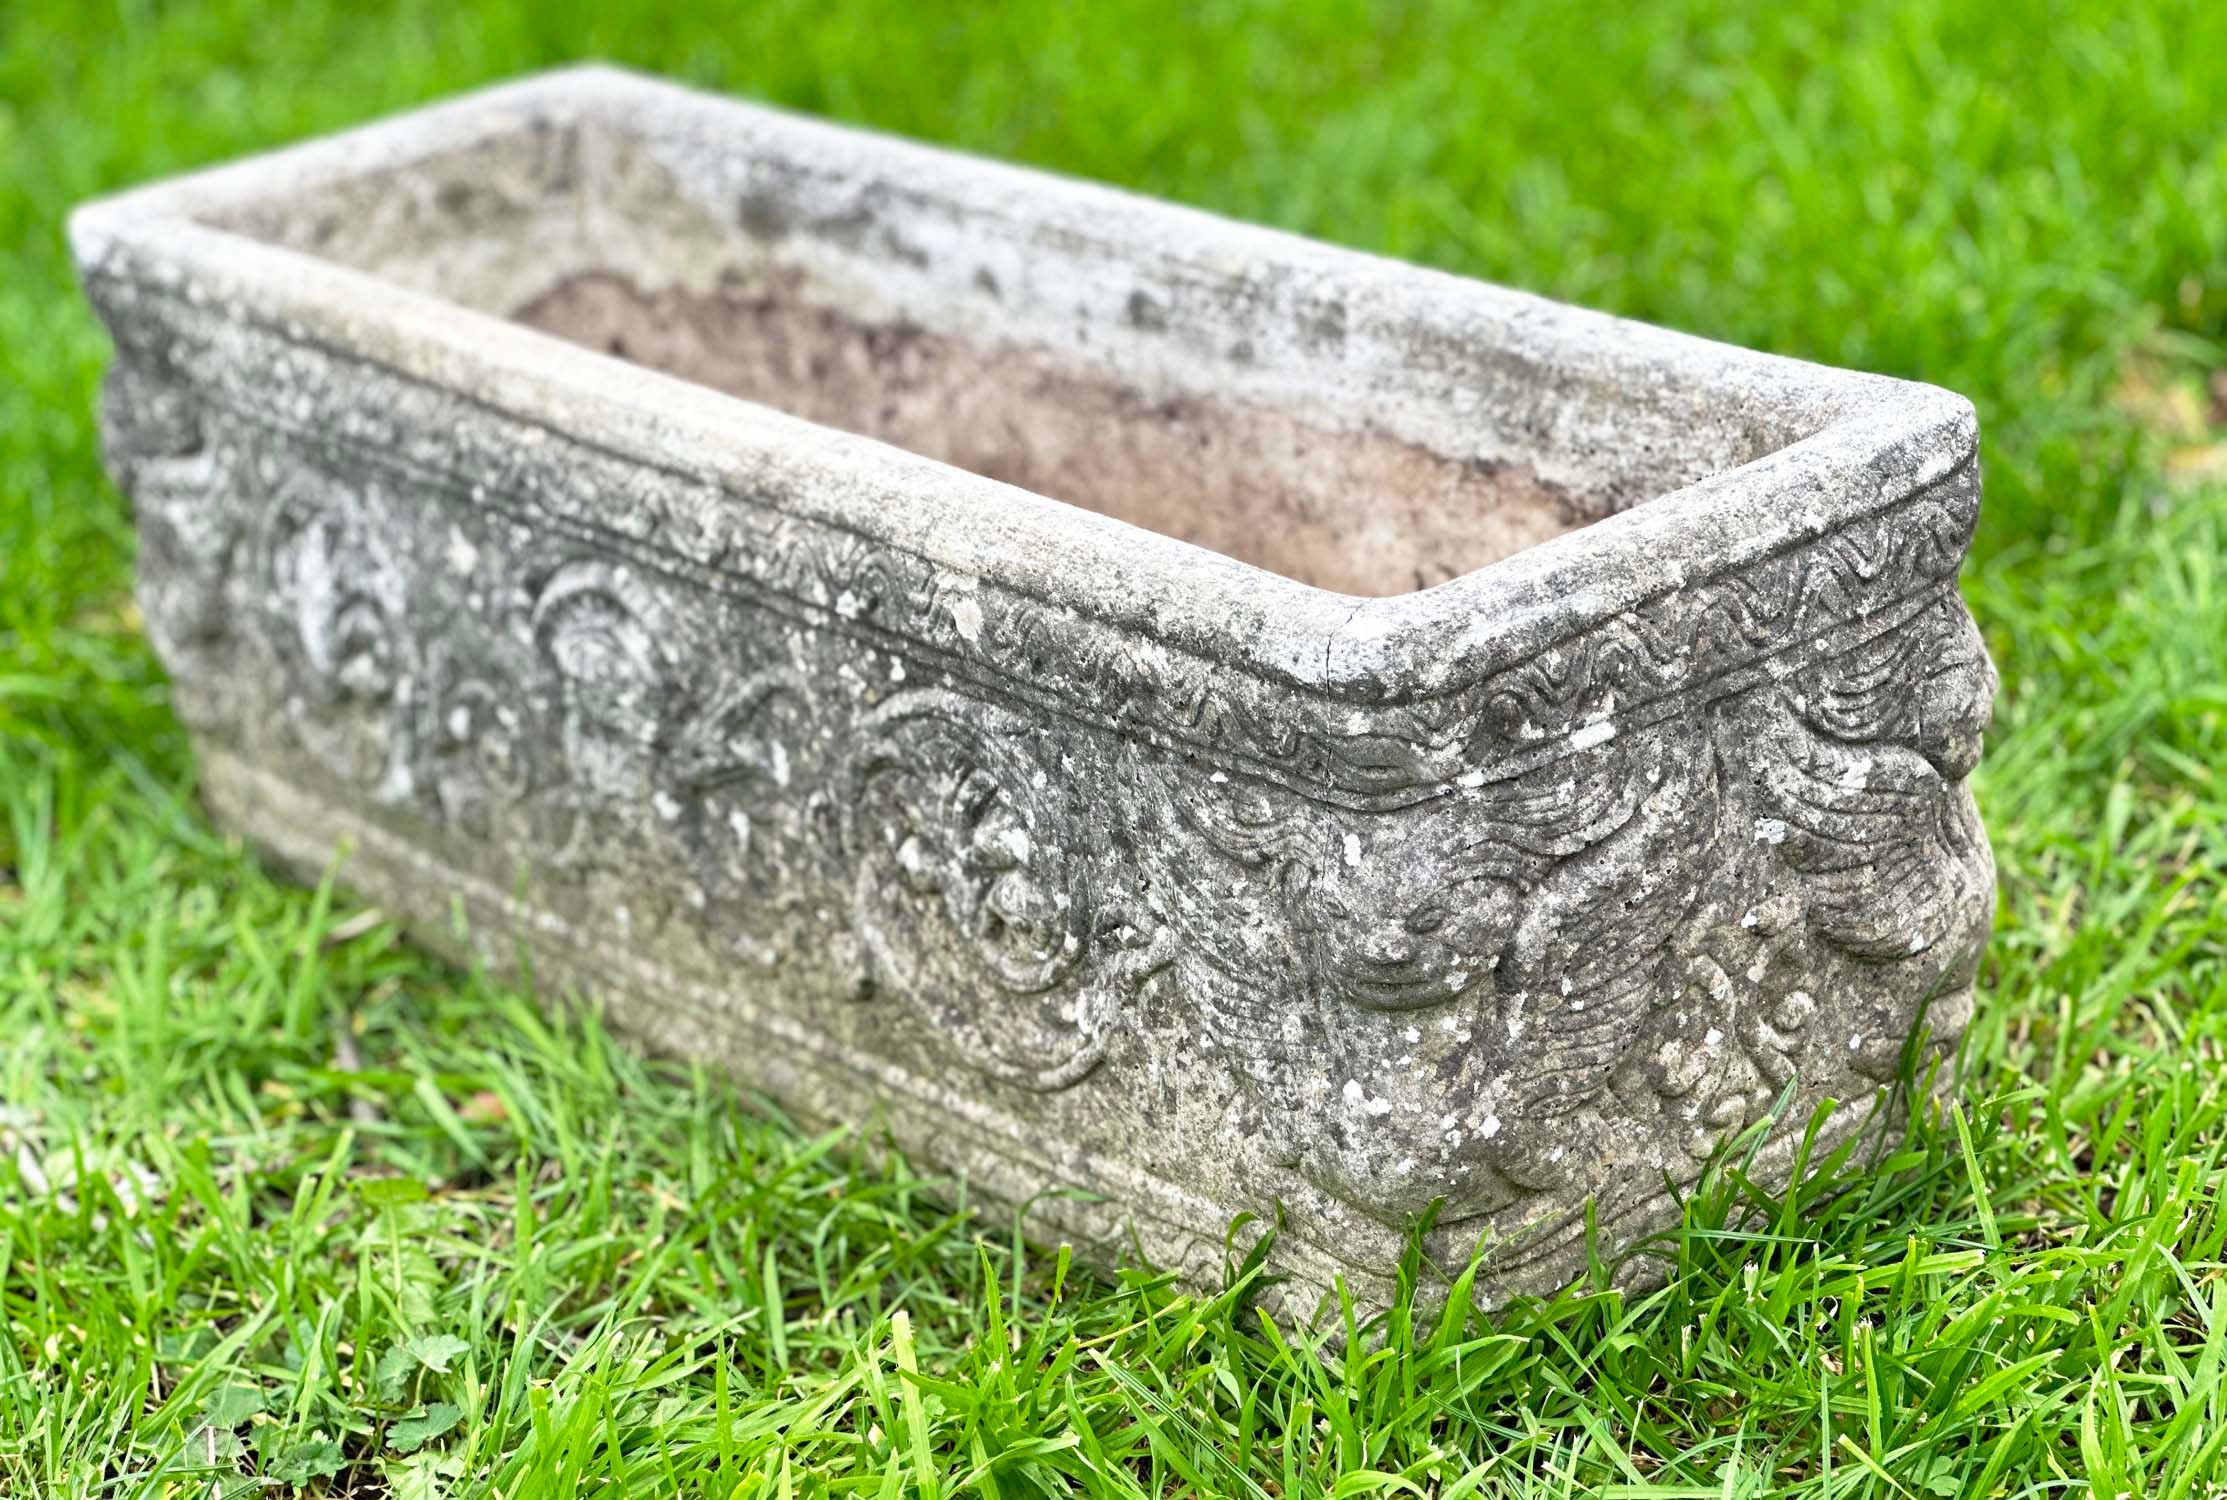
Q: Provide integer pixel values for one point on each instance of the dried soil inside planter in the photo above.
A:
(1312, 427)
(1360, 512)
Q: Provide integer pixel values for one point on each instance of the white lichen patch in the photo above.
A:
(460, 555)
(1372, 1105)
(966, 618)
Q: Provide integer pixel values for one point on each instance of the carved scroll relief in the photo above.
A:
(1551, 935)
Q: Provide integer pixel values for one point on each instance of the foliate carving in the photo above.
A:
(485, 745)
(335, 598)
(978, 891)
(742, 778)
(1547, 935)
(1512, 994)
(713, 774)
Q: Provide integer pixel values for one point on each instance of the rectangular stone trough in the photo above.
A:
(1174, 720)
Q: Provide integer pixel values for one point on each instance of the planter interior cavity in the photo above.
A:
(1246, 414)
(1271, 727)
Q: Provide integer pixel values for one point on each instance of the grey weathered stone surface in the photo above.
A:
(1553, 752)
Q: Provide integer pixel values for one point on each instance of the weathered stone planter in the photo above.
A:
(1294, 728)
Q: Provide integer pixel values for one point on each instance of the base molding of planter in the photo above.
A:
(1142, 886)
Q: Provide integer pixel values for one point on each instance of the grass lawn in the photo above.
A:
(284, 1203)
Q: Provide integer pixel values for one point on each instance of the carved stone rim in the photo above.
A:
(1874, 443)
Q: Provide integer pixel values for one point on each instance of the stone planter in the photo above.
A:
(1138, 704)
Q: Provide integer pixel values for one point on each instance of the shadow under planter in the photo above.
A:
(1142, 704)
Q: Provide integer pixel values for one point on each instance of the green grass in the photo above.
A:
(284, 1203)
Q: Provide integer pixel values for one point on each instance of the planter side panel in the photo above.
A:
(1067, 908)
